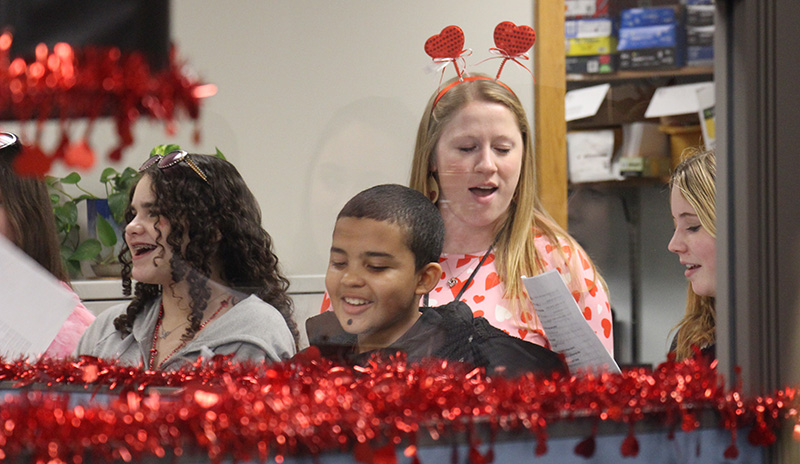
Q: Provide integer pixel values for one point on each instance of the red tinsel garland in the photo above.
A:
(89, 83)
(310, 404)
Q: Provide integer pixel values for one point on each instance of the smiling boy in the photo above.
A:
(383, 259)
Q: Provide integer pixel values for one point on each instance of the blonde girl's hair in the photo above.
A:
(515, 252)
(695, 178)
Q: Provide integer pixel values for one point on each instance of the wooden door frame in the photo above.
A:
(550, 126)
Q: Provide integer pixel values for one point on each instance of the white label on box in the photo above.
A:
(580, 7)
(582, 103)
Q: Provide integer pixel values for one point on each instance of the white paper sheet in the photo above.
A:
(33, 304)
(582, 103)
(675, 100)
(565, 326)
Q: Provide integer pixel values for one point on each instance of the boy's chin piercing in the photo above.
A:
(349, 322)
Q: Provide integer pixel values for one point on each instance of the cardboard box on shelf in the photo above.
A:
(644, 151)
(681, 138)
(590, 155)
(591, 64)
(641, 17)
(588, 28)
(622, 103)
(652, 58)
(699, 56)
(700, 36)
(597, 8)
(591, 46)
(700, 15)
(666, 35)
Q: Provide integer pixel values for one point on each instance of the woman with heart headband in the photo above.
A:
(474, 159)
(207, 280)
(27, 221)
(693, 198)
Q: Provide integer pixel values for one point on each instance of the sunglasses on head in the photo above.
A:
(9, 143)
(171, 159)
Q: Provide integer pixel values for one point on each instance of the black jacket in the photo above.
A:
(445, 332)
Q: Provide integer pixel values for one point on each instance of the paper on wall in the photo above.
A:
(33, 307)
(564, 324)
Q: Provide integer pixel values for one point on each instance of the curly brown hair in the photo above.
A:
(222, 221)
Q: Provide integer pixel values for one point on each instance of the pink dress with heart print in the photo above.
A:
(485, 293)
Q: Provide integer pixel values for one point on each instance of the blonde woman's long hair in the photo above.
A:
(695, 178)
(515, 252)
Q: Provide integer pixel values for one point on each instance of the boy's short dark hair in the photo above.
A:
(407, 208)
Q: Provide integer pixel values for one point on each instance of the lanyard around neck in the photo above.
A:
(426, 298)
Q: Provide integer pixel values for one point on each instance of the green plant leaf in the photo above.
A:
(82, 197)
(105, 232)
(89, 249)
(220, 155)
(107, 174)
(164, 149)
(55, 199)
(117, 203)
(126, 180)
(67, 213)
(71, 178)
(73, 267)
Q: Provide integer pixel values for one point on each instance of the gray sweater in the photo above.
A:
(251, 330)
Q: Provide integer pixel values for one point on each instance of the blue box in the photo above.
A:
(641, 17)
(700, 2)
(589, 28)
(699, 56)
(634, 38)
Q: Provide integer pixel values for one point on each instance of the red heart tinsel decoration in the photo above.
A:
(586, 447)
(79, 155)
(630, 446)
(732, 452)
(447, 44)
(761, 435)
(512, 39)
(32, 162)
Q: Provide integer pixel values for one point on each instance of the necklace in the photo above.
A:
(166, 333)
(453, 280)
(154, 349)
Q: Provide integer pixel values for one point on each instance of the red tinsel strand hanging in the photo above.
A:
(88, 83)
(226, 410)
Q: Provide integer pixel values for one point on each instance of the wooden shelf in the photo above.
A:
(628, 182)
(649, 74)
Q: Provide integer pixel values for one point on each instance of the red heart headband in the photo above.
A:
(511, 43)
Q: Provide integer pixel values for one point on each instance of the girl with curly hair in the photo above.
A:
(207, 280)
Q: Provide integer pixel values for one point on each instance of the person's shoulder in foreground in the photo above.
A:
(384, 257)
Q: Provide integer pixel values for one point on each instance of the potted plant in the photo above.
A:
(104, 216)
